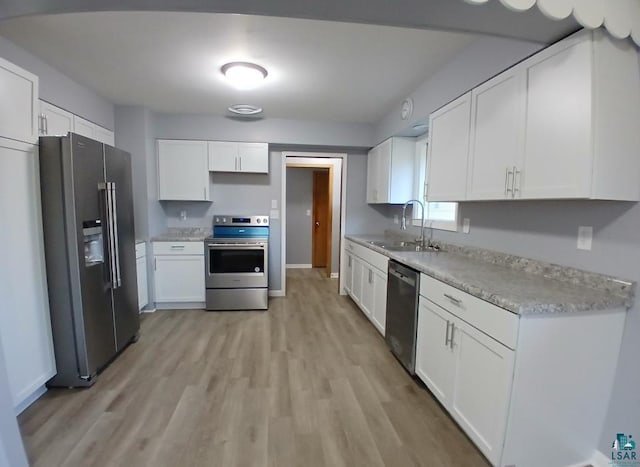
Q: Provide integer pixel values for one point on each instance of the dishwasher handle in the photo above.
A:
(402, 277)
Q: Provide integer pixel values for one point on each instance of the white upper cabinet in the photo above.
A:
(54, 121)
(390, 171)
(183, 170)
(497, 132)
(84, 127)
(561, 124)
(449, 151)
(19, 109)
(583, 108)
(253, 157)
(230, 156)
(91, 130)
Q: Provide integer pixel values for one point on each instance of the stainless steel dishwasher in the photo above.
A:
(403, 287)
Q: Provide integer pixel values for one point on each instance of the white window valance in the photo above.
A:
(620, 17)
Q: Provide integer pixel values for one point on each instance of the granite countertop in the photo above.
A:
(188, 234)
(516, 284)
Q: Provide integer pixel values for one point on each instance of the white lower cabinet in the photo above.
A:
(366, 282)
(469, 372)
(179, 272)
(507, 379)
(141, 273)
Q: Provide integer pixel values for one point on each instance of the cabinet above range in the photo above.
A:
(184, 165)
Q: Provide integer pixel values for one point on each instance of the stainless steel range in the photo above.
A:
(237, 263)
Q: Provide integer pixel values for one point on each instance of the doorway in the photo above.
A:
(312, 212)
(321, 221)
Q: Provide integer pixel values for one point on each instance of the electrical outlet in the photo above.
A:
(183, 215)
(466, 225)
(274, 204)
(396, 219)
(585, 237)
(308, 212)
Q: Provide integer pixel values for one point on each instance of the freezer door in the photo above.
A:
(90, 274)
(125, 289)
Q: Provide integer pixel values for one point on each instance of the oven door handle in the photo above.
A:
(235, 246)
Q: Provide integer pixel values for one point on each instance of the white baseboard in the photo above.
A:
(180, 306)
(31, 399)
(335, 275)
(276, 293)
(299, 266)
(598, 459)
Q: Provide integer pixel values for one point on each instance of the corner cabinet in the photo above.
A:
(229, 156)
(179, 273)
(183, 170)
(390, 171)
(559, 125)
(366, 282)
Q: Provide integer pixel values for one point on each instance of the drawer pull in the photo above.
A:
(177, 247)
(455, 300)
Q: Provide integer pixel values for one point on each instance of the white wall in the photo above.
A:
(58, 89)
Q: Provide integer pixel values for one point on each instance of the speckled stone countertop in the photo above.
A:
(520, 285)
(188, 234)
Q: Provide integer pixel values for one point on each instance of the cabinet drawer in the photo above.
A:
(375, 259)
(178, 248)
(497, 322)
(141, 250)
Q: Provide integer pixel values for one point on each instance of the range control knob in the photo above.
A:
(259, 220)
(266, 220)
(217, 219)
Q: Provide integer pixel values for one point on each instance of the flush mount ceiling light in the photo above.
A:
(245, 109)
(244, 75)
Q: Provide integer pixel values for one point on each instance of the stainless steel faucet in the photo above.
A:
(403, 223)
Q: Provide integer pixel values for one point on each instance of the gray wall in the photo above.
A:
(58, 89)
(271, 130)
(480, 61)
(299, 224)
(547, 231)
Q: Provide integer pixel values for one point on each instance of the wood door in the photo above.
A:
(321, 230)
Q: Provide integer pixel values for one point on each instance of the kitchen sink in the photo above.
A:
(397, 246)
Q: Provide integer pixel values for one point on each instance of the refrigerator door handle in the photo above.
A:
(106, 187)
(114, 220)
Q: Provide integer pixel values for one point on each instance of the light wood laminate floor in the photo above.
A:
(307, 383)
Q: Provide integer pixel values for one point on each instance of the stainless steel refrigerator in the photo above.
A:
(87, 210)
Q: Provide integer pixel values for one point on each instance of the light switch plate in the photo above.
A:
(308, 212)
(274, 204)
(466, 225)
(274, 214)
(585, 237)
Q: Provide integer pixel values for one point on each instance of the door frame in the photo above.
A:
(313, 160)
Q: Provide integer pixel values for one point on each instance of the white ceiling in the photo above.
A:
(170, 62)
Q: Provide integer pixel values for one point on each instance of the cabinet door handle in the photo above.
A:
(516, 184)
(446, 337)
(204, 193)
(453, 329)
(370, 276)
(240, 159)
(349, 261)
(46, 125)
(507, 188)
(155, 263)
(455, 300)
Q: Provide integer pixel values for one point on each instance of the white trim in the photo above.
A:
(598, 459)
(335, 275)
(148, 310)
(299, 266)
(283, 205)
(35, 395)
(180, 306)
(276, 293)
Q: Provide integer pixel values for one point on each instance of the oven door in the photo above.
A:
(237, 265)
